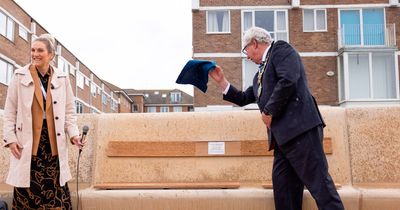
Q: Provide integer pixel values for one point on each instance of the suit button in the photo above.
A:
(55, 102)
(56, 118)
(5, 141)
(58, 134)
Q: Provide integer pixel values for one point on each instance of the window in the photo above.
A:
(151, 109)
(218, 21)
(364, 27)
(177, 109)
(114, 105)
(6, 72)
(368, 76)
(314, 20)
(23, 33)
(104, 98)
(93, 89)
(135, 108)
(164, 109)
(250, 69)
(274, 21)
(80, 80)
(6, 26)
(176, 97)
(72, 70)
(87, 82)
(79, 107)
(61, 64)
(64, 66)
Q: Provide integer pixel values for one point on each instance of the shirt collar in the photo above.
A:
(266, 52)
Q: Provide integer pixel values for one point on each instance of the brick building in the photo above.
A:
(160, 100)
(17, 30)
(349, 48)
(124, 101)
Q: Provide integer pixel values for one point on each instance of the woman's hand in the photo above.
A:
(76, 140)
(16, 149)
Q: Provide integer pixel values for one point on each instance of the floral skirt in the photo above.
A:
(45, 192)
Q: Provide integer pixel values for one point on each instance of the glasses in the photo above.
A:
(244, 51)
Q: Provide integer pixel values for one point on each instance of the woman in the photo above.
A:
(39, 110)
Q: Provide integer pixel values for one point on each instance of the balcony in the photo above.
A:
(367, 36)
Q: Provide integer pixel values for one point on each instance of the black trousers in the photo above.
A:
(302, 162)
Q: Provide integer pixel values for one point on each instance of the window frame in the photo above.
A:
(344, 57)
(164, 109)
(8, 20)
(229, 22)
(79, 107)
(153, 108)
(253, 11)
(9, 72)
(80, 83)
(26, 33)
(179, 108)
(93, 86)
(315, 21)
(361, 18)
(174, 97)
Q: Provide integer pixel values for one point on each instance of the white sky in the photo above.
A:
(133, 44)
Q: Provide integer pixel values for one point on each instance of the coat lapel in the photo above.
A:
(55, 81)
(38, 92)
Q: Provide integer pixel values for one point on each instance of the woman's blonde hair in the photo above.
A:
(49, 41)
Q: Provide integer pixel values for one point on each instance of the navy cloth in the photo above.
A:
(195, 72)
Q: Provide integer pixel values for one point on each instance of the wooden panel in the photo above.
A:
(173, 185)
(268, 185)
(192, 148)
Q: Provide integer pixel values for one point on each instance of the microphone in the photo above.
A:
(85, 130)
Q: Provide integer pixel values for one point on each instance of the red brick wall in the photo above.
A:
(107, 107)
(233, 71)
(17, 12)
(139, 101)
(124, 106)
(393, 17)
(212, 43)
(3, 95)
(323, 87)
(313, 41)
(242, 2)
(96, 100)
(84, 94)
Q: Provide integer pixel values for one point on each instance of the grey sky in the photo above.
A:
(132, 44)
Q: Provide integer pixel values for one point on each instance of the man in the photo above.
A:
(292, 118)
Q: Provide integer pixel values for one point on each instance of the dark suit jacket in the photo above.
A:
(285, 95)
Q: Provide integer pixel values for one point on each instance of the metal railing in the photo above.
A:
(367, 35)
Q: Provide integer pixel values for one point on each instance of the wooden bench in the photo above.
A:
(153, 149)
(193, 148)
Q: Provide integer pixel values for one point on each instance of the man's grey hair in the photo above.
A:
(259, 34)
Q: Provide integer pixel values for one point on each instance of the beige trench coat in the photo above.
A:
(17, 126)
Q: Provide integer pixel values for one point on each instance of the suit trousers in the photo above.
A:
(302, 162)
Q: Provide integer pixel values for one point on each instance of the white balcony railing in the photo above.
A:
(367, 35)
